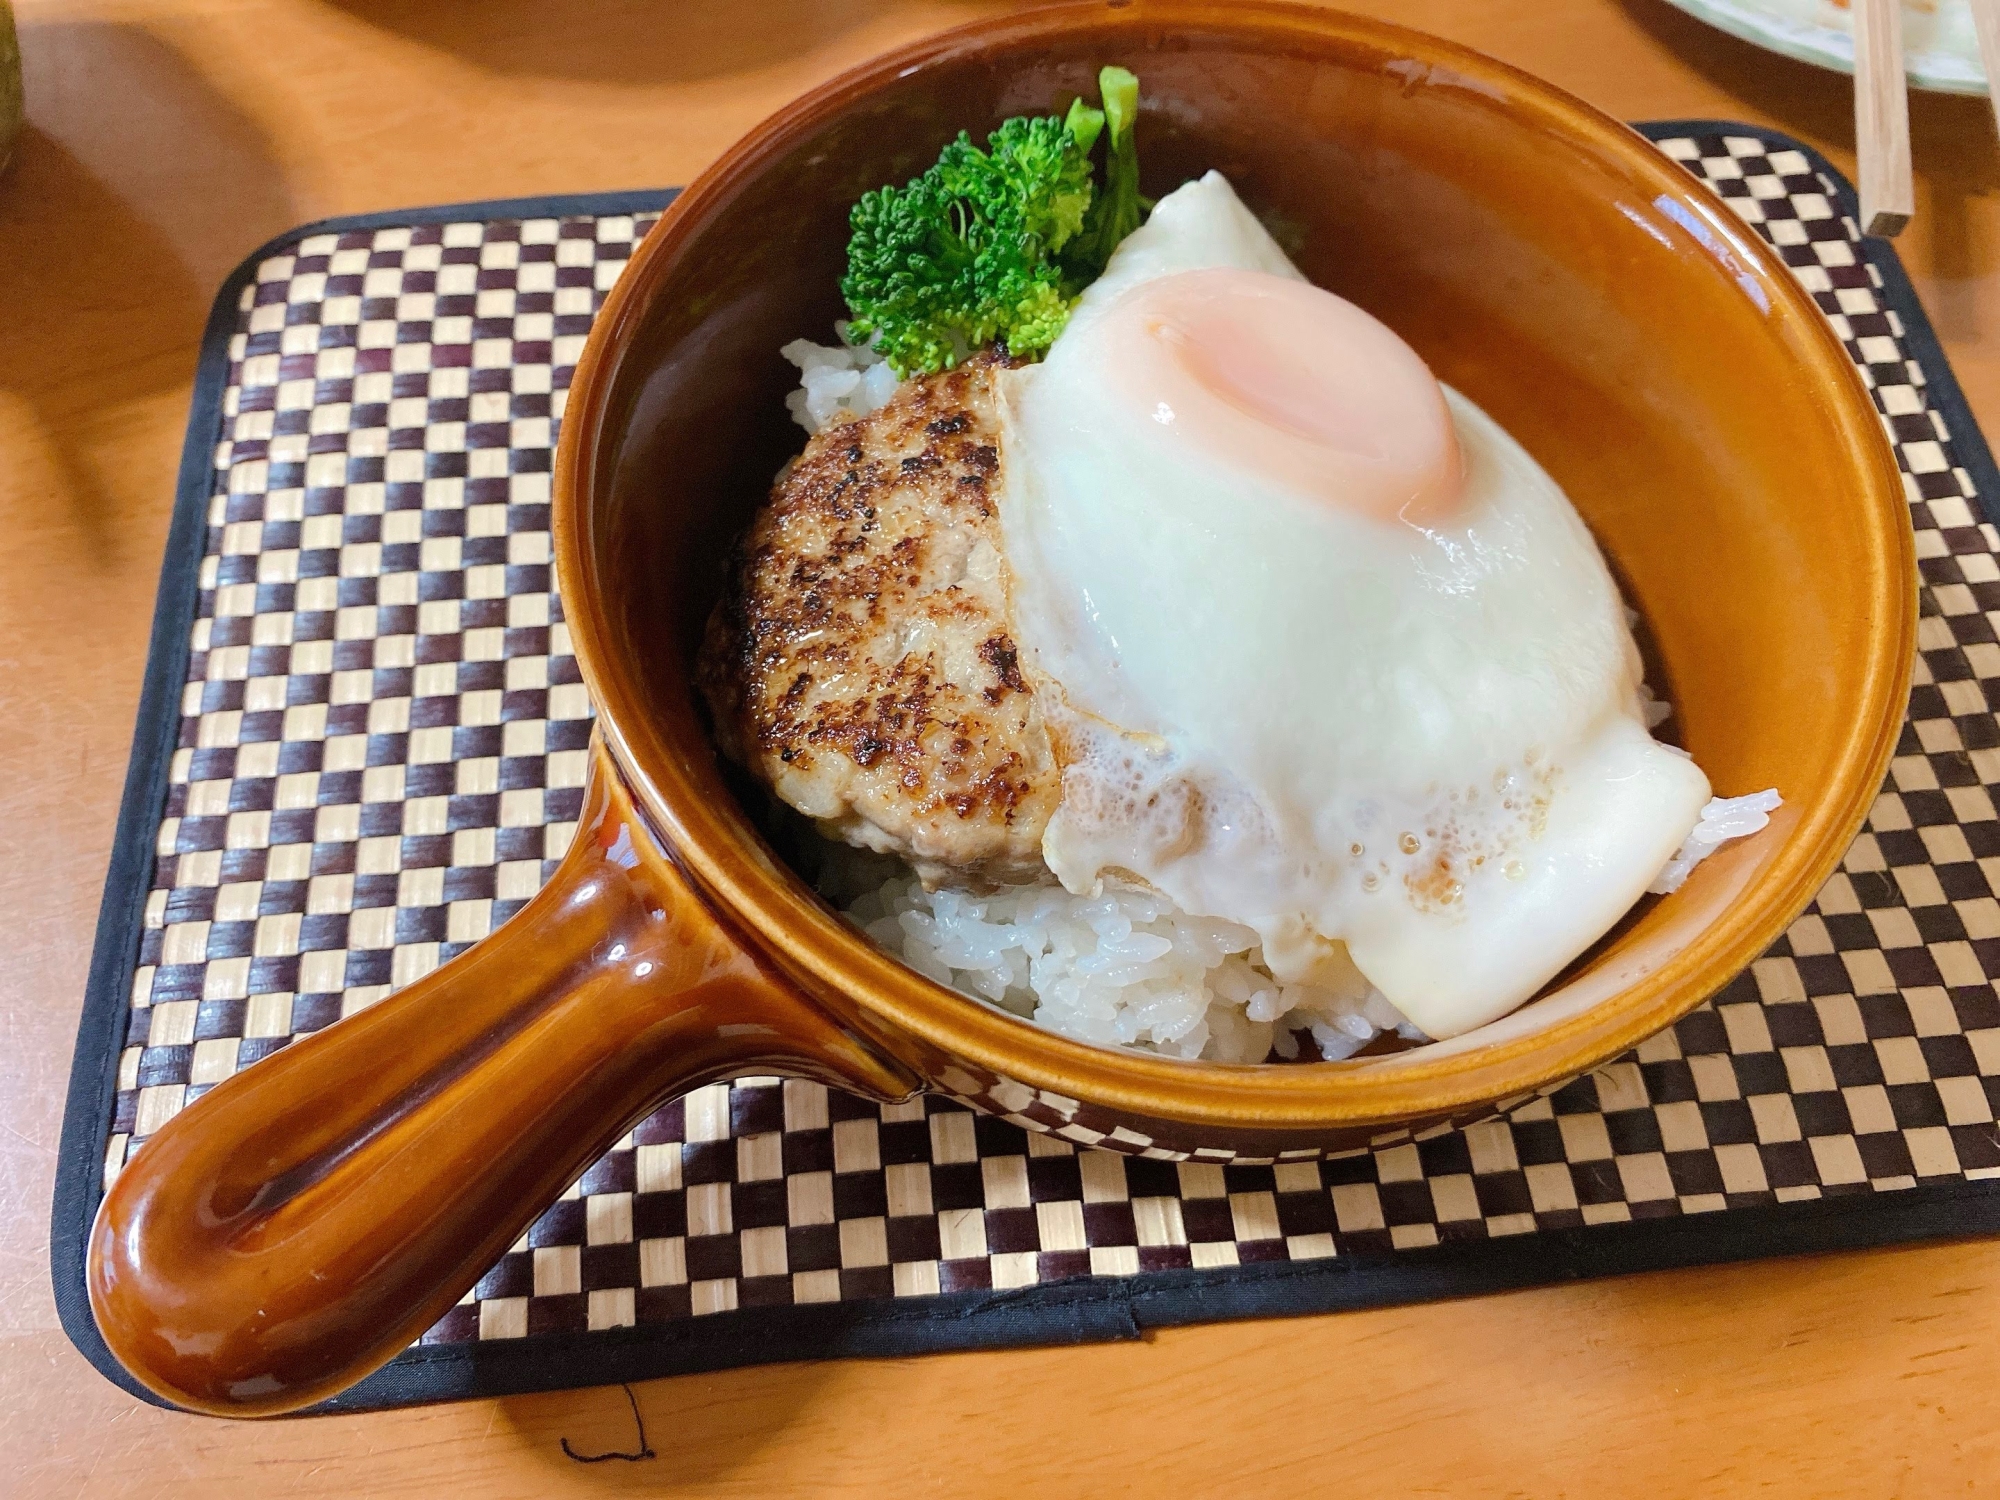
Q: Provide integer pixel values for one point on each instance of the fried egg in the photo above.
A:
(1322, 649)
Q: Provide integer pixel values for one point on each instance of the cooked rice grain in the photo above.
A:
(836, 381)
(1125, 967)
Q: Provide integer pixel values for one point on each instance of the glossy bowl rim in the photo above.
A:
(717, 848)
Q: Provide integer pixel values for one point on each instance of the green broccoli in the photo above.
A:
(993, 245)
(1119, 209)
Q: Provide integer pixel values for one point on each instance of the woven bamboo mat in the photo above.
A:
(364, 747)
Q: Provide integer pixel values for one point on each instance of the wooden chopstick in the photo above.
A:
(1882, 118)
(1986, 21)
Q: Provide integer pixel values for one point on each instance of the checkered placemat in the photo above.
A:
(381, 753)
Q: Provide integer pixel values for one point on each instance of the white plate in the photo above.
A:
(1940, 50)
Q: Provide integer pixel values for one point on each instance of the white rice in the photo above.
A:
(1126, 967)
(836, 381)
(1724, 818)
(1655, 711)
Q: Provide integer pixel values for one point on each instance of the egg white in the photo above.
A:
(1413, 750)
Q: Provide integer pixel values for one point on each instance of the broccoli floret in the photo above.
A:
(973, 251)
(1119, 209)
(1084, 122)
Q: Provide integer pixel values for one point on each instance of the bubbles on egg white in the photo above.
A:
(1135, 803)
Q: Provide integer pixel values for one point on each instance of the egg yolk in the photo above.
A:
(1277, 375)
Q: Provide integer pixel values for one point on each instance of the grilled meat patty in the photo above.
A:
(860, 661)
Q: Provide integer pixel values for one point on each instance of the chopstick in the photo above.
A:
(1882, 118)
(1986, 21)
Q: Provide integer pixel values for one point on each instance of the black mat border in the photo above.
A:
(1083, 1310)
(86, 1127)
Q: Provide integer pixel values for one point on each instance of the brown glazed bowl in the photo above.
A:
(303, 1222)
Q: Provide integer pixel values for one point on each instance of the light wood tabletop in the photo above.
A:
(165, 139)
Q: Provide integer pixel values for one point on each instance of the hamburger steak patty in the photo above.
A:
(860, 661)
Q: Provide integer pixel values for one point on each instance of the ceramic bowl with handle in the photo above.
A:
(304, 1221)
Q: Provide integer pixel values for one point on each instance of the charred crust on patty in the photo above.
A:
(998, 652)
(861, 660)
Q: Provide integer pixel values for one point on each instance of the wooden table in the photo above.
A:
(166, 138)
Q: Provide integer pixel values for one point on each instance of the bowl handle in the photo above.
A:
(304, 1221)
